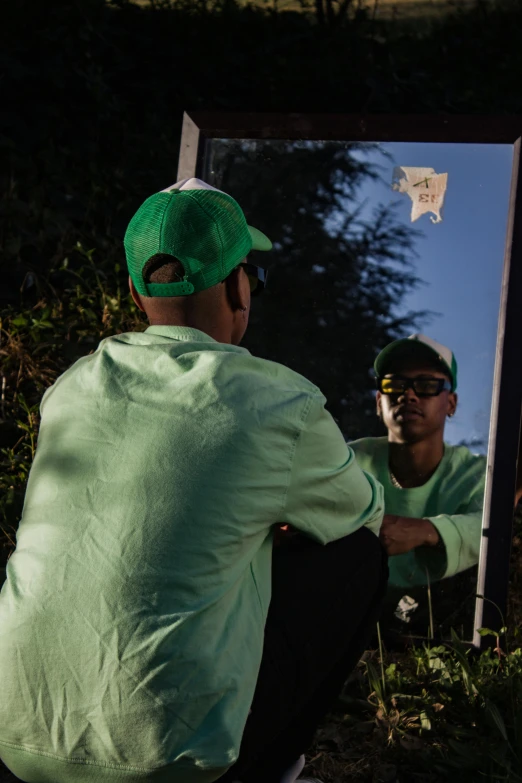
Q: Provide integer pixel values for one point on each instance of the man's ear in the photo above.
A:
(135, 295)
(238, 289)
(452, 403)
(378, 399)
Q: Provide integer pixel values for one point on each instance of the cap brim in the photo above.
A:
(259, 240)
(402, 349)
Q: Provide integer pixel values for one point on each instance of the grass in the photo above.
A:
(436, 713)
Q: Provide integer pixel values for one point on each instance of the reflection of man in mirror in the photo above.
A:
(433, 491)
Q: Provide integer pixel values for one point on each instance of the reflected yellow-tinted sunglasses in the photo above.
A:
(423, 387)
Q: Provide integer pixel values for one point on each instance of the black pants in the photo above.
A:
(325, 604)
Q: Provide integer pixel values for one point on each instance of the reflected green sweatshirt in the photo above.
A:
(452, 500)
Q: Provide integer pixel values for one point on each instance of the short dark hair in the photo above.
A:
(163, 268)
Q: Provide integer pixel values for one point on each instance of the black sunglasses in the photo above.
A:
(423, 387)
(257, 277)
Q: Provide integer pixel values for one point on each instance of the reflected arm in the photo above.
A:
(460, 536)
(401, 534)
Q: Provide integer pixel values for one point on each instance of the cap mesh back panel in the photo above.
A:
(206, 230)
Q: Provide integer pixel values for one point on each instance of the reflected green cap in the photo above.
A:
(204, 228)
(416, 345)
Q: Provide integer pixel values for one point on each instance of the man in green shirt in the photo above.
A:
(433, 492)
(148, 632)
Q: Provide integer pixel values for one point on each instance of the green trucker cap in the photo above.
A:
(204, 228)
(416, 345)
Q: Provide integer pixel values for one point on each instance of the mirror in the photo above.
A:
(374, 241)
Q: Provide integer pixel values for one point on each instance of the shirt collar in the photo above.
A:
(185, 333)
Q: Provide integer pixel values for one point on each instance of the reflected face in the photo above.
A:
(410, 418)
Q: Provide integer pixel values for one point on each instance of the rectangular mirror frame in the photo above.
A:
(497, 525)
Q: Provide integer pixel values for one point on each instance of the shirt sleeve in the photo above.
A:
(329, 496)
(460, 535)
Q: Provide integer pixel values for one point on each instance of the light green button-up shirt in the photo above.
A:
(132, 617)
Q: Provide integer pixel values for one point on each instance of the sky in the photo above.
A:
(460, 259)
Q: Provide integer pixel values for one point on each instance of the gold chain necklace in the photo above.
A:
(394, 481)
